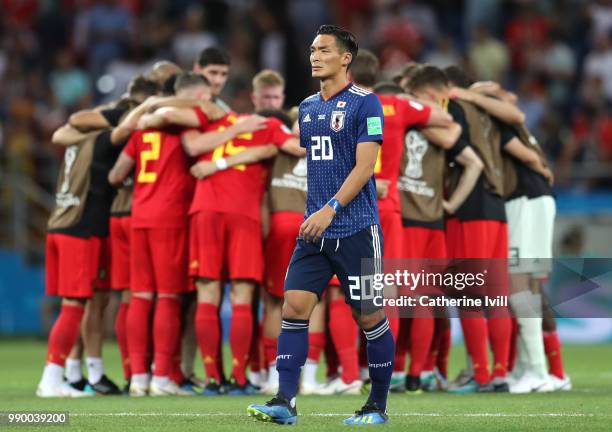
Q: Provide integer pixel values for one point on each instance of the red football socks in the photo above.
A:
(316, 344)
(269, 346)
(475, 335)
(241, 332)
(552, 346)
(208, 336)
(64, 334)
(121, 334)
(421, 335)
(500, 333)
(166, 330)
(138, 334)
(343, 330)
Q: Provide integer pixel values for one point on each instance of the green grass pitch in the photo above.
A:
(587, 408)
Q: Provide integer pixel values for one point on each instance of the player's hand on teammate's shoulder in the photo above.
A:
(312, 229)
(250, 123)
(203, 169)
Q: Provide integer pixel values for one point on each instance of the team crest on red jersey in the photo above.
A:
(337, 120)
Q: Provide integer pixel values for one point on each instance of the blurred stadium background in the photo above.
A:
(57, 56)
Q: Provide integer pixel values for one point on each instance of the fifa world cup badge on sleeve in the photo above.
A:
(374, 126)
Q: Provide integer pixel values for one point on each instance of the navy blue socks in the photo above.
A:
(381, 351)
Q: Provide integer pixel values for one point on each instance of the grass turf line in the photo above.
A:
(588, 407)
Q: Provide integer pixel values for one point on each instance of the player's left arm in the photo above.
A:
(121, 170)
(369, 137)
(502, 110)
(292, 146)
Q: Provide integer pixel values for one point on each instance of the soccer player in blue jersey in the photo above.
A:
(341, 128)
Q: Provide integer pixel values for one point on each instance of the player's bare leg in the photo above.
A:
(316, 344)
(93, 339)
(241, 333)
(62, 338)
(189, 343)
(208, 331)
(271, 329)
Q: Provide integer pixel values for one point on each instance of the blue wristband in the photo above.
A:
(335, 204)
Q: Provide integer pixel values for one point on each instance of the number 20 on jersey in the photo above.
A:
(321, 148)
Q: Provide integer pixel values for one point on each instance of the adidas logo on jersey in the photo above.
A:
(306, 119)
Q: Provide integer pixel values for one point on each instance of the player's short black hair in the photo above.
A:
(428, 76)
(142, 86)
(189, 79)
(213, 55)
(364, 68)
(388, 88)
(345, 40)
(458, 76)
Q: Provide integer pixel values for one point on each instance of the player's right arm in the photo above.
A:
(196, 143)
(443, 136)
(67, 135)
(529, 158)
(129, 124)
(472, 168)
(88, 120)
(125, 162)
(463, 154)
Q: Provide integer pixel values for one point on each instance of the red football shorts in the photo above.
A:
(120, 233)
(225, 243)
(481, 239)
(75, 265)
(158, 260)
(476, 238)
(284, 229)
(391, 224)
(420, 242)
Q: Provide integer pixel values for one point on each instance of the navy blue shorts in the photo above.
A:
(355, 260)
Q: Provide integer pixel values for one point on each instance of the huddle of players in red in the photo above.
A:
(219, 196)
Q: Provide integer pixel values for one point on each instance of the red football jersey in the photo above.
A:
(163, 186)
(400, 114)
(238, 189)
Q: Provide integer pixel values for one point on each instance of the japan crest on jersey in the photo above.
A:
(337, 120)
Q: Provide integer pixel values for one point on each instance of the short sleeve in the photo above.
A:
(507, 132)
(370, 120)
(415, 114)
(279, 132)
(455, 110)
(203, 119)
(113, 115)
(130, 148)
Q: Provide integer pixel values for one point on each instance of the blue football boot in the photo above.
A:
(369, 414)
(277, 410)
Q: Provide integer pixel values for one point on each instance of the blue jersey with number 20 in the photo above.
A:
(330, 130)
